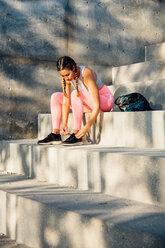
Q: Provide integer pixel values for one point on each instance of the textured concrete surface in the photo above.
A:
(33, 28)
(33, 34)
(111, 170)
(139, 72)
(63, 217)
(6, 242)
(133, 129)
(113, 32)
(156, 51)
(114, 29)
(25, 89)
(153, 91)
(16, 157)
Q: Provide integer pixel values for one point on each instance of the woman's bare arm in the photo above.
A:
(65, 108)
(90, 78)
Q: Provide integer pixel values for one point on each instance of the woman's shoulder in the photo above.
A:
(86, 70)
(89, 73)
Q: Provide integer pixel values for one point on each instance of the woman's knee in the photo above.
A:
(55, 97)
(106, 103)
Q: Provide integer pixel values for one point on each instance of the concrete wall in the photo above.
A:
(32, 36)
(114, 32)
(34, 33)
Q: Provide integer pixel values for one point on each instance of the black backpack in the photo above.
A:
(132, 102)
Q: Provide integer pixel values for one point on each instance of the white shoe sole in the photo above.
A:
(51, 143)
(74, 144)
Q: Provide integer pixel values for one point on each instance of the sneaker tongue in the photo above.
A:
(71, 137)
(50, 135)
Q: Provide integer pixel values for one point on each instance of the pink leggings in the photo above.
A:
(79, 105)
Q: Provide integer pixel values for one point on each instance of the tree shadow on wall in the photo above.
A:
(28, 54)
(35, 34)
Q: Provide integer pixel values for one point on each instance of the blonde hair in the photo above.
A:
(78, 92)
(64, 87)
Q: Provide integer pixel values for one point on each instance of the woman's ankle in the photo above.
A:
(75, 131)
(56, 131)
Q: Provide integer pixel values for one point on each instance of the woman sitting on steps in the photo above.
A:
(90, 95)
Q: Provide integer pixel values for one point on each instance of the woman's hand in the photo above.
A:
(81, 133)
(64, 129)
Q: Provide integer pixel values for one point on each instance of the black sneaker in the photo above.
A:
(72, 140)
(51, 139)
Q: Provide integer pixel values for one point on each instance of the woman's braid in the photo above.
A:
(64, 86)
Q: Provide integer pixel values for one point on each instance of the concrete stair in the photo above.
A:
(139, 72)
(6, 242)
(110, 192)
(155, 51)
(133, 129)
(109, 170)
(45, 215)
(147, 78)
(153, 91)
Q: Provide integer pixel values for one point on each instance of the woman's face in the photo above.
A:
(68, 75)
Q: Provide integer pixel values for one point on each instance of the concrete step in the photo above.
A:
(153, 90)
(16, 156)
(110, 170)
(6, 242)
(155, 51)
(133, 129)
(45, 215)
(139, 72)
